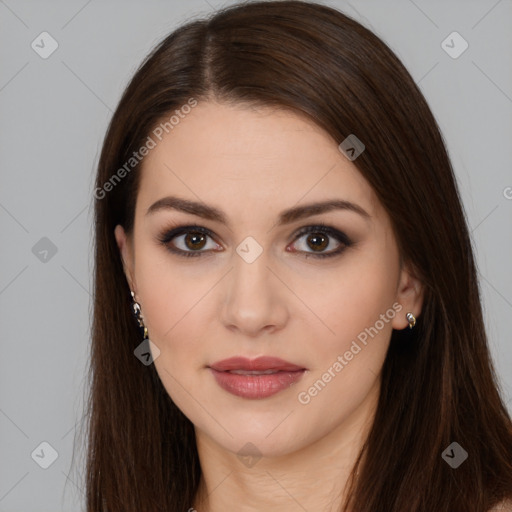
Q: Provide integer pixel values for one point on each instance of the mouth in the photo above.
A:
(255, 379)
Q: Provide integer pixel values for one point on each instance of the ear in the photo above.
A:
(125, 245)
(409, 295)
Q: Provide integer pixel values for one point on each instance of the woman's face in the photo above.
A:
(254, 284)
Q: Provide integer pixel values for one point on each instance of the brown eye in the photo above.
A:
(195, 241)
(318, 241)
(189, 241)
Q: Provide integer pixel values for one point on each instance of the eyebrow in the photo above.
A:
(286, 217)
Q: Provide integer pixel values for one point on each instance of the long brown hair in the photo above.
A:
(438, 382)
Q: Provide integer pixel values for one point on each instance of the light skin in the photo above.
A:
(252, 164)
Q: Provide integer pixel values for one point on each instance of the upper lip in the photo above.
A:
(260, 363)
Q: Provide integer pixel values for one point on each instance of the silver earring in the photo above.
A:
(411, 319)
(138, 314)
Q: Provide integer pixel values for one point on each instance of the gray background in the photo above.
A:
(54, 113)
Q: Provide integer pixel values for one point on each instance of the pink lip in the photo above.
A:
(260, 363)
(255, 386)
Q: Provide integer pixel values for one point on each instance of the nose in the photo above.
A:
(254, 298)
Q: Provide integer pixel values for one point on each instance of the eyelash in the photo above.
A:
(166, 237)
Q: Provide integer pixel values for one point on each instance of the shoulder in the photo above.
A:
(504, 506)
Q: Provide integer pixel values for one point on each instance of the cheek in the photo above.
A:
(171, 304)
(349, 299)
(355, 306)
(176, 323)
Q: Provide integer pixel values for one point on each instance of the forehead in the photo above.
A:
(249, 156)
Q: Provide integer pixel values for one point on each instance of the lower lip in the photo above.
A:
(256, 386)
